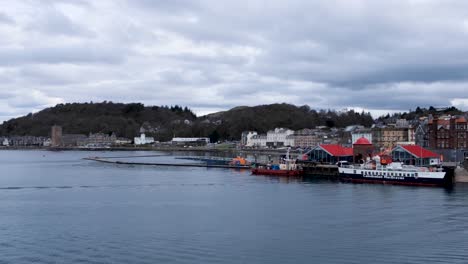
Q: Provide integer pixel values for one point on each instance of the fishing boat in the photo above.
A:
(287, 167)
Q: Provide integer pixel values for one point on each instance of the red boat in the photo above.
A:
(270, 172)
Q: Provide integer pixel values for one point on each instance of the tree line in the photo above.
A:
(165, 122)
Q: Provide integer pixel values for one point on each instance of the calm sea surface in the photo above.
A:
(57, 208)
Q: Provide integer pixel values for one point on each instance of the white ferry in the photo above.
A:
(393, 173)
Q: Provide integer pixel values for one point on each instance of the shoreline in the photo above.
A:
(174, 149)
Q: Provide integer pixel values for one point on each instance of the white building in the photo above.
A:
(47, 143)
(290, 141)
(6, 142)
(278, 137)
(143, 140)
(178, 140)
(246, 137)
(259, 141)
(123, 141)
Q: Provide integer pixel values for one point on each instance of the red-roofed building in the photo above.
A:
(415, 155)
(362, 149)
(331, 153)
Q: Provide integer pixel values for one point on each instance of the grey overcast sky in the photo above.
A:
(212, 55)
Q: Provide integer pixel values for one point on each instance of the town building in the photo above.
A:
(123, 141)
(278, 137)
(421, 134)
(246, 136)
(402, 123)
(143, 140)
(415, 155)
(73, 140)
(331, 154)
(5, 142)
(24, 141)
(448, 132)
(257, 141)
(56, 136)
(361, 133)
(362, 149)
(101, 139)
(390, 137)
(191, 141)
(306, 138)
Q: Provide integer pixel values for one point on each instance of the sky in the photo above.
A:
(211, 55)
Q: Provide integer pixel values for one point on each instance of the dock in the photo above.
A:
(195, 165)
(317, 170)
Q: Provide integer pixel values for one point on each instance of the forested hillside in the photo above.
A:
(164, 122)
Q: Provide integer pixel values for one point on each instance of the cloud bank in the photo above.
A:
(212, 55)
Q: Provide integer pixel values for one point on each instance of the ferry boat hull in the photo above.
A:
(393, 177)
(284, 173)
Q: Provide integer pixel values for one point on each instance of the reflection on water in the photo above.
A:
(57, 208)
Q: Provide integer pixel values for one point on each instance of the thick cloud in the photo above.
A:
(212, 55)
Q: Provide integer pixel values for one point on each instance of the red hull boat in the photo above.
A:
(277, 172)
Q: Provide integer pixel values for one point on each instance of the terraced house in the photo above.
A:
(448, 132)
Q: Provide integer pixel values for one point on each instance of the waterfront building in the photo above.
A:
(362, 149)
(448, 132)
(47, 143)
(191, 141)
(143, 140)
(101, 139)
(258, 141)
(123, 141)
(25, 141)
(331, 153)
(390, 137)
(361, 133)
(246, 136)
(74, 140)
(306, 138)
(415, 155)
(56, 136)
(277, 137)
(5, 142)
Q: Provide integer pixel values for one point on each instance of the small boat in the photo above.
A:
(239, 161)
(287, 167)
(273, 172)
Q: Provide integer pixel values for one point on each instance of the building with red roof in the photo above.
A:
(331, 153)
(415, 155)
(362, 149)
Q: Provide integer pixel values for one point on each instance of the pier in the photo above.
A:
(195, 165)
(317, 170)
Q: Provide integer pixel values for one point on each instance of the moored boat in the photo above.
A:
(393, 173)
(273, 172)
(287, 167)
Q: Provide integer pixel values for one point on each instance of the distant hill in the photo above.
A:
(265, 117)
(107, 117)
(164, 122)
